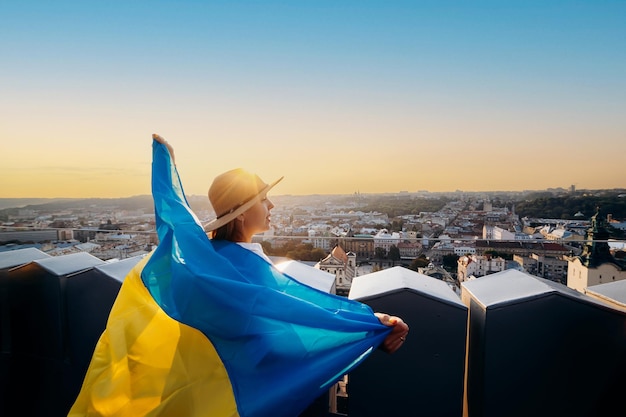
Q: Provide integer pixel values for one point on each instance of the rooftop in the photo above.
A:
(512, 344)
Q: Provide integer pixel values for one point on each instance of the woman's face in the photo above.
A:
(257, 218)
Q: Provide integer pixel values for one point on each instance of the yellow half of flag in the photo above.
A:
(147, 364)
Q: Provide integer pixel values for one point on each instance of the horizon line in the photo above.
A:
(340, 194)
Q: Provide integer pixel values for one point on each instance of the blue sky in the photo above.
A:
(338, 96)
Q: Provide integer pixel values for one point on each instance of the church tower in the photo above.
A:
(595, 265)
(597, 250)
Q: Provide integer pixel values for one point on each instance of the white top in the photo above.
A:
(256, 248)
(307, 275)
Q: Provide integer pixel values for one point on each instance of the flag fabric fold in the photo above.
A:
(205, 327)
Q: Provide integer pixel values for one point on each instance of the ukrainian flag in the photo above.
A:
(204, 328)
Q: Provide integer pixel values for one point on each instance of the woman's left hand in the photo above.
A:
(398, 334)
(169, 147)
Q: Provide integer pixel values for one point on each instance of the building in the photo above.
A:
(478, 266)
(360, 244)
(522, 247)
(385, 240)
(409, 250)
(461, 250)
(42, 235)
(342, 265)
(493, 232)
(320, 240)
(560, 234)
(595, 265)
(549, 267)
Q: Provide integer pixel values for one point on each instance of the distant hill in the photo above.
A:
(128, 203)
(10, 206)
(22, 202)
(566, 207)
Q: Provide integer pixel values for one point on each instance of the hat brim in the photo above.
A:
(227, 218)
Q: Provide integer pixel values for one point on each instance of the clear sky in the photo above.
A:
(337, 96)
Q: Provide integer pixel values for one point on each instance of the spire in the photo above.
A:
(597, 250)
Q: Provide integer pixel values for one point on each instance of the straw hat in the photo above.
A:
(234, 192)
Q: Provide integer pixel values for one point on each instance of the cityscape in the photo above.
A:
(453, 265)
(453, 236)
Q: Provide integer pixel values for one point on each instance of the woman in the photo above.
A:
(208, 327)
(242, 208)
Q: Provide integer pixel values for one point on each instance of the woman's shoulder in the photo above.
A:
(226, 247)
(255, 248)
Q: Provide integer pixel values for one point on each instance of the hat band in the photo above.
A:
(237, 206)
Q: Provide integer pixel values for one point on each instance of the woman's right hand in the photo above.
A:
(395, 339)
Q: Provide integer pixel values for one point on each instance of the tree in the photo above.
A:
(394, 254)
(450, 261)
(380, 254)
(419, 262)
(397, 225)
(267, 247)
(317, 254)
